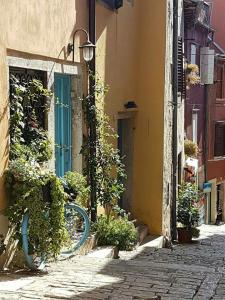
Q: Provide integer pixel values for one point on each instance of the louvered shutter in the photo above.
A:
(219, 145)
(180, 68)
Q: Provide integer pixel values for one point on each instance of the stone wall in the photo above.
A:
(168, 120)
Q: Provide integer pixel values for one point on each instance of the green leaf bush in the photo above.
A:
(38, 191)
(188, 205)
(2, 244)
(118, 232)
(78, 184)
(30, 185)
(28, 139)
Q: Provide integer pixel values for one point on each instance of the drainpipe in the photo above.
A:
(174, 141)
(92, 33)
(206, 154)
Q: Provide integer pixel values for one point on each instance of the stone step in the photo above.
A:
(142, 231)
(154, 241)
(104, 252)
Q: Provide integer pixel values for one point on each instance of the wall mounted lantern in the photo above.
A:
(87, 47)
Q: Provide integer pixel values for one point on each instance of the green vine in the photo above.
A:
(30, 186)
(78, 185)
(27, 136)
(109, 167)
(2, 244)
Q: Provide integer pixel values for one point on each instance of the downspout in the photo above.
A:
(92, 34)
(206, 133)
(174, 141)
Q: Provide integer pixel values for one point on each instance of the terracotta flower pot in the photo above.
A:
(184, 235)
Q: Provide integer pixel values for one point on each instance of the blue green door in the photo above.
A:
(63, 143)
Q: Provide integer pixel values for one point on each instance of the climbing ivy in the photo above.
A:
(109, 167)
(27, 136)
(30, 185)
(38, 191)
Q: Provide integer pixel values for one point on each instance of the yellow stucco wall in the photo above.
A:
(41, 27)
(3, 124)
(131, 59)
(37, 30)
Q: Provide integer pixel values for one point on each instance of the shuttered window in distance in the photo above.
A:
(219, 145)
(180, 68)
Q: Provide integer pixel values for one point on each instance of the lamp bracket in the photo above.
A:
(70, 46)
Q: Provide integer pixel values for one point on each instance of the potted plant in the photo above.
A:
(190, 148)
(192, 75)
(188, 212)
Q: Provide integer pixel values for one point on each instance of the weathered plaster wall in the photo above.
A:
(168, 118)
(168, 122)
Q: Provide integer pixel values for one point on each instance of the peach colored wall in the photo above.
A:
(131, 59)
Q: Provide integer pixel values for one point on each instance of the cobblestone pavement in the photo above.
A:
(193, 271)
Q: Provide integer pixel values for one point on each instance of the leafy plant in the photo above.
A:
(30, 186)
(107, 163)
(190, 148)
(78, 183)
(116, 232)
(192, 74)
(188, 203)
(195, 232)
(2, 244)
(40, 192)
(27, 136)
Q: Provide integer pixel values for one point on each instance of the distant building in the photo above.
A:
(204, 107)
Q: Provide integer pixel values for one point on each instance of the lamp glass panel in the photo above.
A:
(88, 53)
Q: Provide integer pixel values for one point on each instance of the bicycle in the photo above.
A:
(77, 225)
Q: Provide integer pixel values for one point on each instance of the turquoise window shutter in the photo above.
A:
(63, 124)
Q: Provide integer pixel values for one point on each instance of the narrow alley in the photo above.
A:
(191, 271)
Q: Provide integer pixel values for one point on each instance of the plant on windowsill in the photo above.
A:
(188, 212)
(190, 148)
(192, 75)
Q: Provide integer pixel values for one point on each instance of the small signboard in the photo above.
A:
(207, 187)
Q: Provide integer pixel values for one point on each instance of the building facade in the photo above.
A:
(133, 58)
(139, 70)
(204, 111)
(216, 119)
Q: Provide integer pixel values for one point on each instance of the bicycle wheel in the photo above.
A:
(34, 261)
(78, 228)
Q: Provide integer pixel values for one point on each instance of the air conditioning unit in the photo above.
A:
(113, 4)
(207, 57)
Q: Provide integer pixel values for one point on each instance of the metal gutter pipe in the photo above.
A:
(174, 130)
(92, 35)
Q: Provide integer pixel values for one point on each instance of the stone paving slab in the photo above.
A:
(192, 271)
